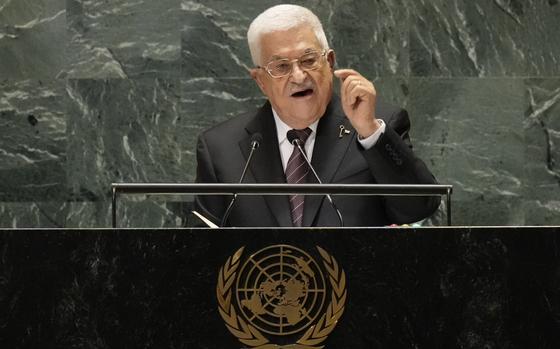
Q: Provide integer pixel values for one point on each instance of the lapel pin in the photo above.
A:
(343, 131)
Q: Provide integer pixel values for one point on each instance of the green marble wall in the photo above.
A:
(95, 92)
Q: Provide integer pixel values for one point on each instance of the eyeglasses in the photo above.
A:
(280, 68)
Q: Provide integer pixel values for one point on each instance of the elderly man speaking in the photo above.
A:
(350, 137)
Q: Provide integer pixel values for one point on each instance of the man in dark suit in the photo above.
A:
(353, 138)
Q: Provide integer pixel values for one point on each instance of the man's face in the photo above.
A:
(302, 97)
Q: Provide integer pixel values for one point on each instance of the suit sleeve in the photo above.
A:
(210, 206)
(392, 161)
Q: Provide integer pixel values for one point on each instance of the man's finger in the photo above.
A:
(342, 74)
(349, 89)
(346, 89)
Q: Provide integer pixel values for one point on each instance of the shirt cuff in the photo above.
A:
(370, 141)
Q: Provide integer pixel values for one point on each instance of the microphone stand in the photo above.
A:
(254, 145)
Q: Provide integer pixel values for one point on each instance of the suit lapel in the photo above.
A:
(266, 165)
(328, 153)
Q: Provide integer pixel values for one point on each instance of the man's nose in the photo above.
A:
(298, 75)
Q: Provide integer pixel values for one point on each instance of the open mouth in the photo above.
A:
(303, 93)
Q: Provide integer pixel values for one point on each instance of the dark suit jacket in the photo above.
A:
(223, 150)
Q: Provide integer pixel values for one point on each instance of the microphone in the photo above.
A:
(294, 139)
(256, 140)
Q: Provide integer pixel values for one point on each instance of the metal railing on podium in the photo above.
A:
(280, 189)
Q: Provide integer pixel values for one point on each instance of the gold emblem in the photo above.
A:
(279, 294)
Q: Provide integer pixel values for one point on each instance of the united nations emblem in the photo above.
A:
(279, 297)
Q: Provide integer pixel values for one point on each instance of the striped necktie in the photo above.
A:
(296, 172)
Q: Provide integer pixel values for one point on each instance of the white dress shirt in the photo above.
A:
(286, 148)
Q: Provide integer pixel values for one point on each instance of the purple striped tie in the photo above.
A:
(296, 172)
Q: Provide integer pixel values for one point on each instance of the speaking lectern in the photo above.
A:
(460, 287)
(265, 288)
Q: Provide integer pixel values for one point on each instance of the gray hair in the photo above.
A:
(280, 18)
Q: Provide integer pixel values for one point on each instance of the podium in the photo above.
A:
(449, 287)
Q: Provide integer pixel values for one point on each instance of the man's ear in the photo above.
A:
(331, 58)
(256, 74)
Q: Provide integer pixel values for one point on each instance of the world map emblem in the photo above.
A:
(280, 296)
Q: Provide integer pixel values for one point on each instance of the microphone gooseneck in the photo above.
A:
(256, 140)
(294, 139)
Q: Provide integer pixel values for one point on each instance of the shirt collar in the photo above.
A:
(282, 128)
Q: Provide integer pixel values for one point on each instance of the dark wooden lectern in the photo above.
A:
(486, 287)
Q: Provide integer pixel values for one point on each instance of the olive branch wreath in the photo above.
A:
(251, 336)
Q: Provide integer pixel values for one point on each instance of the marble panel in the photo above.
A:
(33, 214)
(542, 157)
(368, 36)
(394, 90)
(484, 38)
(33, 143)
(123, 39)
(32, 39)
(208, 101)
(469, 133)
(132, 212)
(213, 43)
(125, 131)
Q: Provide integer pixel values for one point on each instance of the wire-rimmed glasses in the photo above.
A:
(280, 68)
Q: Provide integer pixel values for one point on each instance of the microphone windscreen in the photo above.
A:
(292, 136)
(256, 139)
